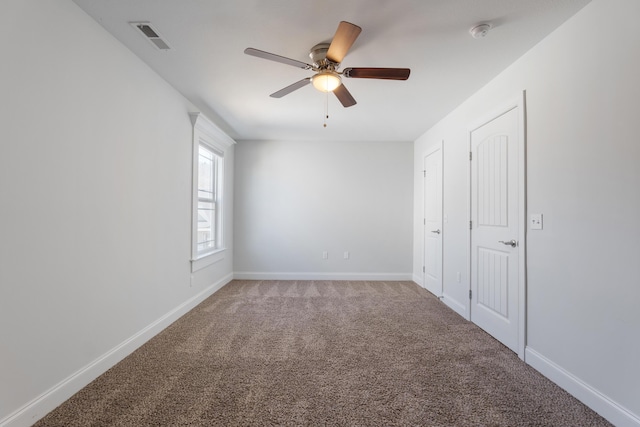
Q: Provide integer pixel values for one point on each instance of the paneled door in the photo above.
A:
(433, 221)
(495, 227)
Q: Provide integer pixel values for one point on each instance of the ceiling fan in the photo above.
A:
(326, 59)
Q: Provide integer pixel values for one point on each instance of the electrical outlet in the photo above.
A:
(536, 221)
(346, 254)
(325, 255)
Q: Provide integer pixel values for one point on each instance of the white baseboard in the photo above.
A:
(418, 280)
(603, 405)
(455, 306)
(52, 398)
(248, 275)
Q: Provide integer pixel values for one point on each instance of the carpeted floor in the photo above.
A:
(322, 353)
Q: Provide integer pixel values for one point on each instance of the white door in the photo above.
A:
(433, 221)
(495, 227)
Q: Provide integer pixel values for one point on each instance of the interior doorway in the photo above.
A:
(497, 226)
(433, 230)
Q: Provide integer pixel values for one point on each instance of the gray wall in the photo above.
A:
(295, 200)
(582, 97)
(95, 204)
(95, 187)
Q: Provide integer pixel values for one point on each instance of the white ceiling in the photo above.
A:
(208, 66)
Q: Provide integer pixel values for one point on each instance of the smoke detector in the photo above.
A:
(479, 31)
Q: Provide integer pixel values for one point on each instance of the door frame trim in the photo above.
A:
(518, 102)
(432, 149)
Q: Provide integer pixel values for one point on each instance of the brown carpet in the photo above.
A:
(322, 353)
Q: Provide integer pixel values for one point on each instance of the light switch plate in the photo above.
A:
(536, 221)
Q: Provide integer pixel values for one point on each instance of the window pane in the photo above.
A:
(206, 226)
(206, 174)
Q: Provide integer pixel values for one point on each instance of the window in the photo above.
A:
(209, 147)
(207, 223)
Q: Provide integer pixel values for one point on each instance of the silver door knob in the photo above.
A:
(436, 231)
(511, 243)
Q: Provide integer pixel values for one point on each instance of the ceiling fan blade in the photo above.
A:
(277, 58)
(346, 34)
(344, 96)
(287, 90)
(377, 73)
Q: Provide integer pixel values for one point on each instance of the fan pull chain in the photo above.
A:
(326, 108)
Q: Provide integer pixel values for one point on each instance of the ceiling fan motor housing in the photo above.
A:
(318, 55)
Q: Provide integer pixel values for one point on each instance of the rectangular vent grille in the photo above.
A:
(160, 44)
(151, 34)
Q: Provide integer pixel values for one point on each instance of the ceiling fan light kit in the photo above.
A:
(326, 59)
(326, 81)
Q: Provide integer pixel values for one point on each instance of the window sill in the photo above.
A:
(206, 260)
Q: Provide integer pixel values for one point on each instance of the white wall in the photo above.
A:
(95, 205)
(295, 200)
(583, 175)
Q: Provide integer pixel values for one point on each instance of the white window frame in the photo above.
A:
(207, 134)
(211, 198)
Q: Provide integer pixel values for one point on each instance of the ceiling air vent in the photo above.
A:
(151, 34)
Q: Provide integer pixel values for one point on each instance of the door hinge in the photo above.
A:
(469, 293)
(424, 221)
(470, 225)
(470, 155)
(423, 269)
(424, 173)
